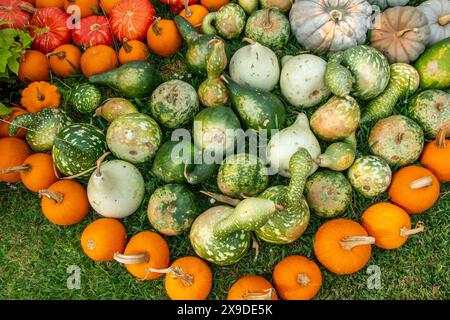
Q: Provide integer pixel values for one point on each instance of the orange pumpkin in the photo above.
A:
(145, 254)
(34, 66)
(133, 50)
(342, 246)
(13, 153)
(6, 120)
(389, 224)
(50, 3)
(98, 59)
(40, 95)
(252, 288)
(87, 7)
(194, 14)
(163, 38)
(65, 60)
(213, 4)
(188, 278)
(107, 5)
(65, 202)
(297, 278)
(415, 189)
(436, 157)
(102, 238)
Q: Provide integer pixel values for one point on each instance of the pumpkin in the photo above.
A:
(130, 19)
(194, 14)
(145, 253)
(5, 123)
(40, 95)
(389, 224)
(436, 157)
(438, 16)
(321, 25)
(86, 7)
(50, 3)
(107, 5)
(14, 151)
(188, 278)
(383, 4)
(93, 31)
(415, 189)
(65, 60)
(252, 288)
(401, 34)
(342, 246)
(13, 16)
(33, 66)
(297, 278)
(163, 38)
(213, 4)
(133, 50)
(98, 59)
(102, 238)
(65, 202)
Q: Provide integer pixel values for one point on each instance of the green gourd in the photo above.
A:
(85, 98)
(339, 156)
(228, 21)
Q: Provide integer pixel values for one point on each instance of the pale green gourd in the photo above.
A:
(339, 156)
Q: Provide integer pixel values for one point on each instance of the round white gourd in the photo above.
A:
(116, 190)
(255, 66)
(302, 80)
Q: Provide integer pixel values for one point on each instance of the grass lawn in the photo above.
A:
(35, 254)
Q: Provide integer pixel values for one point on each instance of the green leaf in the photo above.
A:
(4, 57)
(4, 110)
(13, 65)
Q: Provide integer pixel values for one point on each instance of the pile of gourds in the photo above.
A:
(77, 166)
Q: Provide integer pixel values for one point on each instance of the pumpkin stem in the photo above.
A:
(61, 55)
(248, 40)
(348, 243)
(98, 172)
(24, 168)
(6, 8)
(155, 27)
(177, 272)
(444, 20)
(404, 232)
(266, 295)
(186, 7)
(402, 32)
(131, 258)
(58, 197)
(126, 46)
(421, 183)
(221, 198)
(40, 96)
(336, 15)
(27, 7)
(440, 138)
(303, 279)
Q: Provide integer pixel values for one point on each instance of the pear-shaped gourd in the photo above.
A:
(114, 108)
(339, 156)
(115, 189)
(249, 6)
(285, 143)
(228, 21)
(283, 5)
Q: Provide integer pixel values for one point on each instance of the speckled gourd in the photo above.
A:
(228, 21)
(339, 156)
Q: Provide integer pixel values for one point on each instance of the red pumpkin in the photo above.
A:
(130, 19)
(177, 5)
(93, 31)
(10, 11)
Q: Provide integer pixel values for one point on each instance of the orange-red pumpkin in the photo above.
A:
(163, 38)
(6, 120)
(34, 66)
(252, 287)
(65, 60)
(13, 152)
(98, 59)
(436, 157)
(133, 50)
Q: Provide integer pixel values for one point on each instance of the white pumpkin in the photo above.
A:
(302, 80)
(438, 15)
(288, 141)
(255, 66)
(383, 4)
(116, 189)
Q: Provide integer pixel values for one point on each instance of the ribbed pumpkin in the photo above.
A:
(98, 59)
(65, 60)
(13, 152)
(133, 50)
(342, 246)
(40, 95)
(389, 224)
(297, 278)
(6, 120)
(87, 7)
(102, 238)
(415, 189)
(13, 16)
(252, 288)
(34, 66)
(163, 37)
(436, 157)
(144, 254)
(93, 31)
(65, 202)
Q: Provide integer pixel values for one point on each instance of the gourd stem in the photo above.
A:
(248, 40)
(440, 138)
(402, 32)
(24, 168)
(336, 15)
(61, 55)
(155, 26)
(58, 197)
(28, 8)
(138, 258)
(40, 96)
(444, 20)
(404, 232)
(421, 183)
(268, 21)
(348, 243)
(126, 46)
(224, 79)
(231, 201)
(303, 279)
(98, 172)
(82, 173)
(186, 7)
(6, 8)
(266, 295)
(177, 272)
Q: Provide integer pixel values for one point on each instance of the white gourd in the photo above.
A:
(438, 15)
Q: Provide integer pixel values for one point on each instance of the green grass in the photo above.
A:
(35, 254)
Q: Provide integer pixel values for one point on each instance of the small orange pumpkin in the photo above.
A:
(65, 202)
(342, 246)
(50, 3)
(6, 120)
(13, 153)
(188, 278)
(436, 156)
(98, 59)
(389, 224)
(252, 287)
(145, 254)
(40, 95)
(297, 278)
(133, 50)
(65, 60)
(163, 38)
(194, 14)
(415, 189)
(213, 4)
(107, 5)
(34, 66)
(87, 7)
(102, 238)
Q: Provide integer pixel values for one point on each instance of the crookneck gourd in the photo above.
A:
(339, 156)
(228, 21)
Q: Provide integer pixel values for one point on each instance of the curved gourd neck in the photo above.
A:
(301, 121)
(351, 140)
(300, 167)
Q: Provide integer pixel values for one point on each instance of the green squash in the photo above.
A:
(85, 98)
(114, 108)
(228, 21)
(434, 67)
(43, 127)
(339, 156)
(77, 148)
(328, 193)
(172, 209)
(174, 104)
